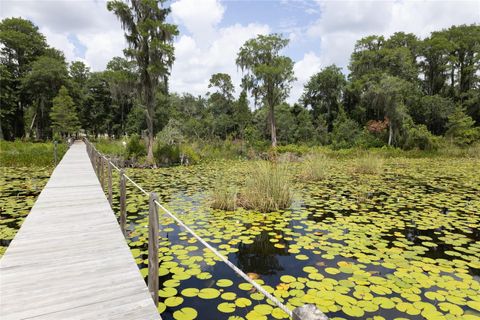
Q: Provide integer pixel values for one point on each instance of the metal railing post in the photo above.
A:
(153, 247)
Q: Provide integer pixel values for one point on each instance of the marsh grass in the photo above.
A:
(29, 154)
(315, 167)
(223, 196)
(368, 164)
(267, 188)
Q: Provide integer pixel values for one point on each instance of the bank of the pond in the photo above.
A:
(408, 247)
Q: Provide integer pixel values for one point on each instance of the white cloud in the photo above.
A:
(304, 69)
(194, 63)
(200, 18)
(342, 23)
(97, 30)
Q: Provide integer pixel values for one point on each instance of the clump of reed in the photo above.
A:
(315, 167)
(267, 188)
(368, 164)
(223, 197)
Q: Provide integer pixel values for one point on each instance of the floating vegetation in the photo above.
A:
(410, 250)
(20, 187)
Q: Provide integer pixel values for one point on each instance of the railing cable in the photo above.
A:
(305, 311)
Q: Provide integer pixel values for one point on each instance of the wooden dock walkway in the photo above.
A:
(69, 259)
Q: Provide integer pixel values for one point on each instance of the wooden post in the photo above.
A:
(308, 312)
(153, 247)
(55, 151)
(102, 172)
(123, 205)
(110, 199)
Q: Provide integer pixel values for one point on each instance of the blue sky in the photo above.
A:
(211, 31)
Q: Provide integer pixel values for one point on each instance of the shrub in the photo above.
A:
(188, 155)
(267, 188)
(461, 128)
(135, 147)
(367, 139)
(368, 164)
(166, 155)
(29, 154)
(296, 149)
(418, 137)
(315, 167)
(345, 131)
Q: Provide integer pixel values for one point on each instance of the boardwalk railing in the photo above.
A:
(101, 164)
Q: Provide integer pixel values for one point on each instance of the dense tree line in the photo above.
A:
(401, 91)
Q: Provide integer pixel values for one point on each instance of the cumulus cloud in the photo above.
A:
(97, 31)
(304, 69)
(196, 62)
(342, 23)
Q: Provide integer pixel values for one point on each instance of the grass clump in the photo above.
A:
(316, 167)
(223, 197)
(267, 188)
(368, 164)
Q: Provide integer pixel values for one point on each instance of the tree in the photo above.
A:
(461, 127)
(323, 93)
(389, 96)
(63, 114)
(242, 114)
(345, 131)
(121, 75)
(20, 44)
(150, 41)
(268, 75)
(42, 84)
(221, 104)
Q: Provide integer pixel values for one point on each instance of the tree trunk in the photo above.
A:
(273, 130)
(390, 134)
(1, 131)
(150, 115)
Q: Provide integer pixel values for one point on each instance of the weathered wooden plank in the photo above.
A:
(69, 259)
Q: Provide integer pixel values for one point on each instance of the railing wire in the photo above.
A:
(208, 246)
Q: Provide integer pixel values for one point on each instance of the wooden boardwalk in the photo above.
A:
(69, 259)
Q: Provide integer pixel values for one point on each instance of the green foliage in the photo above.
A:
(461, 128)
(323, 93)
(115, 148)
(29, 154)
(267, 188)
(268, 75)
(150, 41)
(166, 154)
(345, 131)
(419, 137)
(188, 155)
(135, 147)
(296, 149)
(63, 114)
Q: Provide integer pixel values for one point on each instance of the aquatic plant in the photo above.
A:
(368, 164)
(223, 196)
(267, 187)
(315, 167)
